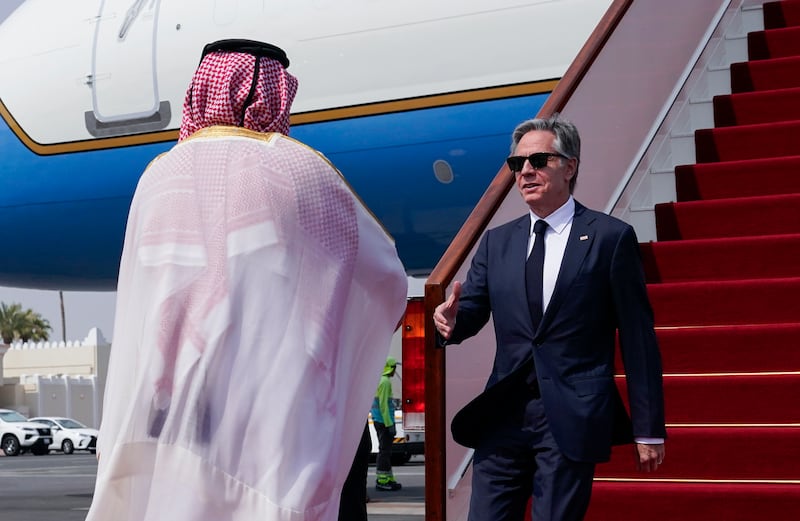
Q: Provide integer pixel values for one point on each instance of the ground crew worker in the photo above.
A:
(383, 420)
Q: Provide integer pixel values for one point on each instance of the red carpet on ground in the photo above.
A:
(724, 281)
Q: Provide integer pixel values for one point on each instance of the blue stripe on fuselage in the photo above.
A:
(65, 214)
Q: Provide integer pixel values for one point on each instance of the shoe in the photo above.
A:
(391, 486)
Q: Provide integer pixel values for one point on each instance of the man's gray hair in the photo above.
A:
(567, 140)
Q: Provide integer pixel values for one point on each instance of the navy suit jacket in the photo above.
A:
(600, 291)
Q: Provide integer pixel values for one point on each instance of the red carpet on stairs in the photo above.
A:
(724, 281)
(765, 395)
(726, 302)
(781, 14)
(721, 259)
(732, 217)
(771, 176)
(774, 43)
(737, 453)
(776, 73)
(764, 348)
(761, 106)
(707, 501)
(748, 141)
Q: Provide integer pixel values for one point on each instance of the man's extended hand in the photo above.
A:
(444, 316)
(648, 457)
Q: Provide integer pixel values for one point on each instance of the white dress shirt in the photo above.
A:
(555, 244)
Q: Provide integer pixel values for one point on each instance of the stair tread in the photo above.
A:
(731, 179)
(700, 453)
(766, 215)
(752, 141)
(664, 500)
(773, 73)
(773, 43)
(725, 302)
(723, 258)
(764, 106)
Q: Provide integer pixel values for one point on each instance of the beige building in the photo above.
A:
(56, 378)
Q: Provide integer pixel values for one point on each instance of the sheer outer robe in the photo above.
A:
(256, 302)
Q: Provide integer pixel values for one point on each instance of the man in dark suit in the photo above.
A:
(558, 292)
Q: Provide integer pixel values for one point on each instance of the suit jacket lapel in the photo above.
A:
(580, 240)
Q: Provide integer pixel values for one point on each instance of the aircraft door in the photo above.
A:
(124, 80)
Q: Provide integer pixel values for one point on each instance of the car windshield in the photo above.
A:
(71, 424)
(12, 417)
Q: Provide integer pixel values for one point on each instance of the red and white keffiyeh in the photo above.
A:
(221, 87)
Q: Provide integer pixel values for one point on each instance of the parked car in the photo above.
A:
(69, 435)
(19, 435)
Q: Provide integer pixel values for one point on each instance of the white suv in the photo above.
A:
(18, 435)
(69, 435)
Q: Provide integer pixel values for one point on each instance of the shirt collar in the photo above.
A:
(559, 219)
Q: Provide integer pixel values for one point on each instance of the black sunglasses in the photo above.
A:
(537, 160)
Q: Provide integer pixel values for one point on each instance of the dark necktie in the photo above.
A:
(534, 269)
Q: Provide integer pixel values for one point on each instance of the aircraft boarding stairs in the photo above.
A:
(711, 182)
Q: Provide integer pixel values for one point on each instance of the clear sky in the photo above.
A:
(82, 310)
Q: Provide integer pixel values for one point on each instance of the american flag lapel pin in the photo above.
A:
(584, 237)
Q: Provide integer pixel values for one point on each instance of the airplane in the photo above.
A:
(413, 101)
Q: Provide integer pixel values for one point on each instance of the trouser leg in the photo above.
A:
(353, 505)
(383, 464)
(561, 487)
(521, 460)
(501, 484)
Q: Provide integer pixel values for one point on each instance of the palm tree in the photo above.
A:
(22, 324)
